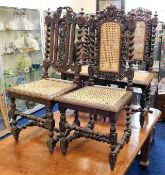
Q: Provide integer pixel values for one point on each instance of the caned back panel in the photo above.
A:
(140, 35)
(110, 40)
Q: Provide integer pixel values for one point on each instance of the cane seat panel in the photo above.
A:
(110, 39)
(46, 88)
(140, 34)
(84, 71)
(98, 97)
(142, 77)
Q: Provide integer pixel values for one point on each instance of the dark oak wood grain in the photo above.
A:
(108, 63)
(145, 16)
(59, 41)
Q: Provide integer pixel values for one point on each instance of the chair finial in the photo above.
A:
(155, 20)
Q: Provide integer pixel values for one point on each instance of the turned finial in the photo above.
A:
(155, 20)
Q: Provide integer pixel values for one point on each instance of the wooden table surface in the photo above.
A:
(30, 155)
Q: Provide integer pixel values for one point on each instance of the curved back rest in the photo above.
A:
(140, 40)
(111, 43)
(60, 39)
(143, 35)
(110, 47)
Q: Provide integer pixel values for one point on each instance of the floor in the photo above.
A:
(30, 156)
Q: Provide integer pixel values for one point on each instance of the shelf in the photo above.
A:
(19, 30)
(10, 61)
(23, 73)
(21, 52)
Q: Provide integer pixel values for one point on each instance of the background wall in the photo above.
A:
(43, 4)
(88, 5)
(152, 5)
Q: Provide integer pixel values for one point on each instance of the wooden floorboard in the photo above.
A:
(30, 155)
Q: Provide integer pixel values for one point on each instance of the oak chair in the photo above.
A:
(107, 60)
(60, 38)
(145, 35)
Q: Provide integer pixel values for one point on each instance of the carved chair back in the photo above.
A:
(144, 36)
(60, 39)
(111, 35)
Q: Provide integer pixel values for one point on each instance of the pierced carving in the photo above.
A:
(61, 44)
(60, 34)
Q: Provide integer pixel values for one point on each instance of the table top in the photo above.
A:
(30, 155)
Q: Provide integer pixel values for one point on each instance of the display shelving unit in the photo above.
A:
(24, 64)
(4, 122)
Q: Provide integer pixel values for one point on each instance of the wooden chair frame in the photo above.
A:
(111, 14)
(60, 36)
(144, 15)
(151, 24)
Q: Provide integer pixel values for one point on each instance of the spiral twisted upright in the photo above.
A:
(153, 39)
(47, 44)
(92, 48)
(131, 26)
(92, 40)
(86, 44)
(81, 20)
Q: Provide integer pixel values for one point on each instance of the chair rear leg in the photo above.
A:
(50, 124)
(142, 104)
(113, 142)
(14, 128)
(148, 97)
(76, 120)
(63, 141)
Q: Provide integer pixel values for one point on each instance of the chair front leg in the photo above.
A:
(127, 131)
(113, 142)
(142, 105)
(50, 124)
(91, 121)
(14, 129)
(76, 120)
(63, 141)
(148, 96)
